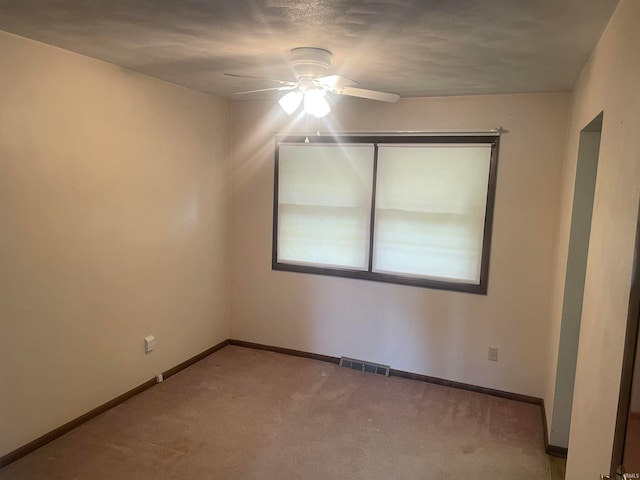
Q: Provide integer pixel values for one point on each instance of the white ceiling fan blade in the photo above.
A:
(335, 81)
(281, 82)
(370, 94)
(273, 89)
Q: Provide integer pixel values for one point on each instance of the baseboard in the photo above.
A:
(555, 451)
(67, 427)
(76, 422)
(286, 351)
(397, 373)
(465, 386)
(545, 430)
(194, 359)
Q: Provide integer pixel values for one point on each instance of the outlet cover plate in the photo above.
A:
(493, 354)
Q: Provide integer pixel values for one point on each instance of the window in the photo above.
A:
(414, 210)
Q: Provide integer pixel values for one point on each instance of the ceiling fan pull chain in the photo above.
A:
(306, 140)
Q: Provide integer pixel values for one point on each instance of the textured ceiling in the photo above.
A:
(413, 48)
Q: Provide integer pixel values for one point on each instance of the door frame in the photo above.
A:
(628, 359)
(586, 176)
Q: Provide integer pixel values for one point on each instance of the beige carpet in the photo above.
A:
(249, 414)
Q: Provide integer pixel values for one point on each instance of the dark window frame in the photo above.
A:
(480, 288)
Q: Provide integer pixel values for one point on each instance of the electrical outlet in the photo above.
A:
(149, 343)
(493, 354)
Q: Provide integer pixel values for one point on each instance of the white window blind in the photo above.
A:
(414, 210)
(324, 205)
(430, 210)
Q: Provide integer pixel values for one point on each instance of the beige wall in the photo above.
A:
(610, 82)
(438, 333)
(114, 204)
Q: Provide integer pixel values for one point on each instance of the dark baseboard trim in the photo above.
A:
(555, 451)
(194, 359)
(465, 386)
(395, 373)
(286, 351)
(545, 430)
(549, 449)
(24, 450)
(67, 427)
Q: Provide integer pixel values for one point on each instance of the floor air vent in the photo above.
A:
(363, 366)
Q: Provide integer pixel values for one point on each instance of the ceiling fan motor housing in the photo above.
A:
(310, 62)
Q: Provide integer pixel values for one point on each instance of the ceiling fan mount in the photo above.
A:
(310, 62)
(310, 66)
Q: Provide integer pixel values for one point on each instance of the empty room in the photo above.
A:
(327, 239)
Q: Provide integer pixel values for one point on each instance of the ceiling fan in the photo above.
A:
(310, 66)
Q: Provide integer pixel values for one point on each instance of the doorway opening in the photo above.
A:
(583, 195)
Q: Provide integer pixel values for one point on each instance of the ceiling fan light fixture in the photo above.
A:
(310, 65)
(291, 101)
(315, 103)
